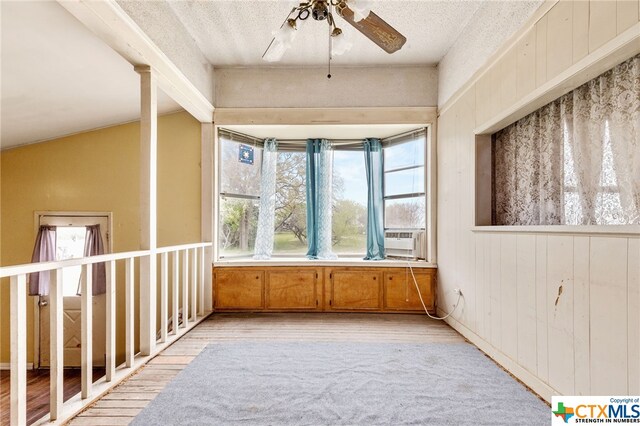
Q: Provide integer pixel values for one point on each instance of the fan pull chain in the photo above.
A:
(330, 41)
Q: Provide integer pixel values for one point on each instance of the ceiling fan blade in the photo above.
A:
(376, 29)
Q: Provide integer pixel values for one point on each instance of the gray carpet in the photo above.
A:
(343, 383)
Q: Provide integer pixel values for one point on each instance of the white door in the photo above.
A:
(70, 237)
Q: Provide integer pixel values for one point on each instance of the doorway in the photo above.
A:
(70, 241)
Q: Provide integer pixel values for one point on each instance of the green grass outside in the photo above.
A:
(287, 243)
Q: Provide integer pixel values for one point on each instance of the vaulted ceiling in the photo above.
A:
(59, 78)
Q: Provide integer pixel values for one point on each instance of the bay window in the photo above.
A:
(404, 193)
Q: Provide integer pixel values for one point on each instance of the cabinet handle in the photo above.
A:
(390, 278)
(374, 278)
(257, 277)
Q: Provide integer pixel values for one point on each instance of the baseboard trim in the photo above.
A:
(7, 366)
(533, 382)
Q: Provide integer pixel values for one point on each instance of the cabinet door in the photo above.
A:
(355, 290)
(400, 292)
(237, 289)
(292, 289)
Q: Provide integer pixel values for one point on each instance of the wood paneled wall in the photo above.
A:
(560, 311)
(564, 36)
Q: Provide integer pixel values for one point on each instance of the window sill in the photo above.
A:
(390, 263)
(601, 230)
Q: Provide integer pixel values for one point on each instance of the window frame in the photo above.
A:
(108, 246)
(389, 143)
(240, 139)
(427, 126)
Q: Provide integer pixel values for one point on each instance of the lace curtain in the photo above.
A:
(266, 216)
(575, 161)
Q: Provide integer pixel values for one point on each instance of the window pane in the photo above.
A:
(405, 213)
(237, 177)
(70, 245)
(405, 154)
(409, 181)
(238, 223)
(291, 204)
(349, 220)
(609, 209)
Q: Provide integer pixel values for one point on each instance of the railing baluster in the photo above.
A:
(129, 311)
(110, 361)
(86, 339)
(185, 288)
(174, 290)
(56, 344)
(190, 283)
(18, 398)
(194, 283)
(164, 272)
(201, 283)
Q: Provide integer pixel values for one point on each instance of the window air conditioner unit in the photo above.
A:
(405, 244)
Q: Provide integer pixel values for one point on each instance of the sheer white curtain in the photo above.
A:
(576, 160)
(266, 217)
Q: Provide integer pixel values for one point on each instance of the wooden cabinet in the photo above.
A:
(355, 289)
(400, 292)
(238, 289)
(322, 288)
(292, 289)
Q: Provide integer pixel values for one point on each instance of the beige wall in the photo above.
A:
(586, 340)
(98, 171)
(409, 86)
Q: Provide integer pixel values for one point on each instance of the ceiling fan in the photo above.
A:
(356, 12)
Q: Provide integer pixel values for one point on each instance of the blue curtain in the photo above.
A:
(319, 199)
(375, 206)
(266, 217)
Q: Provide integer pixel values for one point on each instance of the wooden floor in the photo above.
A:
(127, 399)
(38, 391)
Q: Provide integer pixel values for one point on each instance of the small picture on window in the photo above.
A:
(246, 154)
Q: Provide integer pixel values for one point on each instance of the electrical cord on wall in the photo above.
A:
(415, 282)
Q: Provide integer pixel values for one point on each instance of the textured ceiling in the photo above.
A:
(236, 33)
(490, 27)
(58, 78)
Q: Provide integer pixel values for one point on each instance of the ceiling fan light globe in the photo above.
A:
(361, 9)
(285, 35)
(340, 45)
(275, 52)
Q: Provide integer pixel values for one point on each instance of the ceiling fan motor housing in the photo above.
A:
(320, 10)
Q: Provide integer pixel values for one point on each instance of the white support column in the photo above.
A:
(148, 207)
(206, 215)
(110, 361)
(164, 295)
(175, 291)
(18, 323)
(86, 337)
(129, 312)
(56, 343)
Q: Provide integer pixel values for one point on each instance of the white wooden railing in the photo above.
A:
(188, 280)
